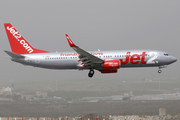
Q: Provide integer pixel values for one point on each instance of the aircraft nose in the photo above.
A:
(173, 59)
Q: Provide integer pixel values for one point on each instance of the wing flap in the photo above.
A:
(84, 54)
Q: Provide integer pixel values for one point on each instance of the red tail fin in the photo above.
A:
(17, 42)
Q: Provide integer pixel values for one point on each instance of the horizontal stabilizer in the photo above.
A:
(14, 55)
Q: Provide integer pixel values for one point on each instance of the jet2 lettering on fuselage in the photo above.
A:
(134, 59)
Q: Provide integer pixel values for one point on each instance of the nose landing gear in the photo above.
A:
(163, 66)
(91, 73)
(159, 71)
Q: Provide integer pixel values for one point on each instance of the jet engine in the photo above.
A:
(110, 66)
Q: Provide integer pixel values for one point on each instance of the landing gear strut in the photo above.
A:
(159, 71)
(91, 73)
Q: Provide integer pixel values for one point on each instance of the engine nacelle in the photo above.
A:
(109, 71)
(112, 64)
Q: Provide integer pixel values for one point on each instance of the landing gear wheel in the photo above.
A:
(91, 73)
(159, 71)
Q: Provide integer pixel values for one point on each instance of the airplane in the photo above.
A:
(103, 61)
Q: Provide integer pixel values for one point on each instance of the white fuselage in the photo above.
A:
(70, 60)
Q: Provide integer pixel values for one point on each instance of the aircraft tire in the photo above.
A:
(91, 73)
(159, 71)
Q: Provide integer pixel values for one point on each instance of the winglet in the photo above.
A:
(70, 41)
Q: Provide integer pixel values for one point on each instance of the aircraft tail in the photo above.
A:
(17, 42)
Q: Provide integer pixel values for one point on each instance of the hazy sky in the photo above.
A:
(92, 25)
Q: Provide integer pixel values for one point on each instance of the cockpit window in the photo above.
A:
(166, 54)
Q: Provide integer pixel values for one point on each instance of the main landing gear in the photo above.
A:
(159, 71)
(91, 73)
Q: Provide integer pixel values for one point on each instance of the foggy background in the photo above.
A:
(92, 25)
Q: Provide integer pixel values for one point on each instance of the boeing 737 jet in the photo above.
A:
(102, 61)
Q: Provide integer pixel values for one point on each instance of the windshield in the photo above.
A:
(166, 54)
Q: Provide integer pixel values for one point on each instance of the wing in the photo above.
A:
(87, 58)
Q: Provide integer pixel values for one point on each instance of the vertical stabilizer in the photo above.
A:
(17, 42)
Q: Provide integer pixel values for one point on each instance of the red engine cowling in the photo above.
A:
(112, 64)
(109, 71)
